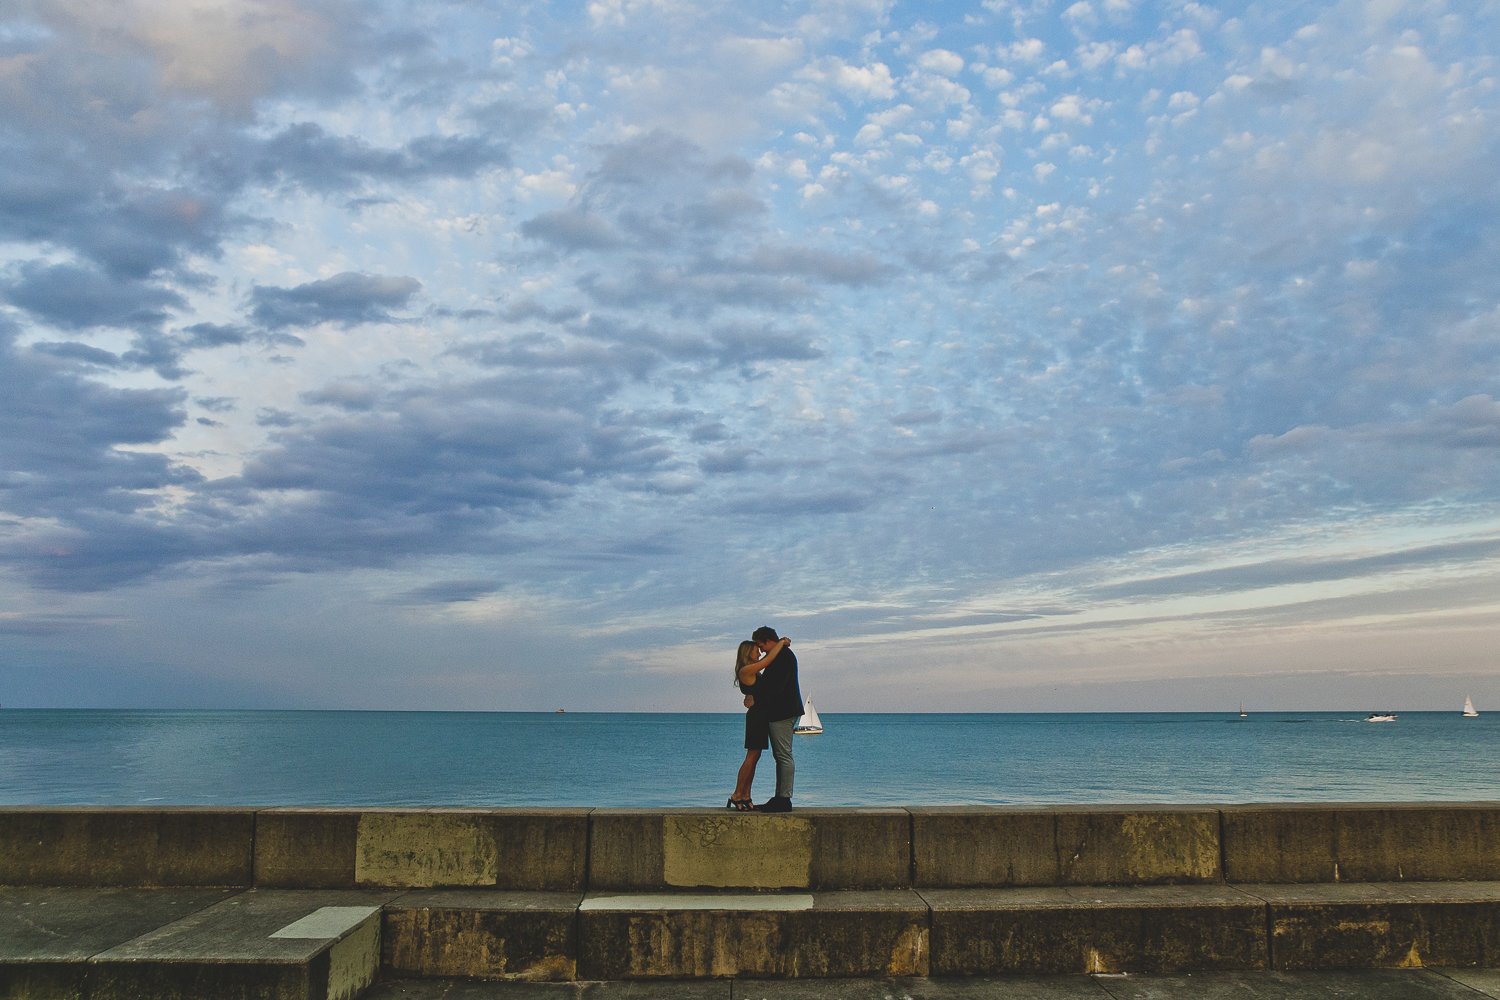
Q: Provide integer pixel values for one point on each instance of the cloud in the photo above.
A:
(348, 299)
(308, 156)
(72, 298)
(71, 445)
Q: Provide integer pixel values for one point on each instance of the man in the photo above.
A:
(778, 694)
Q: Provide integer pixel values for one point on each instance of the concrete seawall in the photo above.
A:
(556, 894)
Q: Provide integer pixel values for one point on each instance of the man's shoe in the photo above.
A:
(776, 804)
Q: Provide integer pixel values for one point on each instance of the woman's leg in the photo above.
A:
(746, 775)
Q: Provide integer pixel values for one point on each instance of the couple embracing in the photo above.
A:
(765, 668)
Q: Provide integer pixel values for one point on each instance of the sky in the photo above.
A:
(1008, 355)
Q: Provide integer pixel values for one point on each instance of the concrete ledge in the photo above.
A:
(1362, 842)
(772, 935)
(1002, 846)
(719, 849)
(1095, 930)
(126, 847)
(1383, 925)
(280, 944)
(483, 934)
(53, 932)
(176, 944)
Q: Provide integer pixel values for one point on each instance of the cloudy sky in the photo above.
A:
(1007, 354)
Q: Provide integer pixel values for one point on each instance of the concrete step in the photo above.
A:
(177, 944)
(1374, 925)
(482, 933)
(791, 934)
(1094, 929)
(1381, 984)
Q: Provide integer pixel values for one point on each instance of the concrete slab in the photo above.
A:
(489, 934)
(843, 934)
(463, 989)
(1045, 988)
(760, 902)
(72, 924)
(1348, 985)
(1351, 985)
(252, 945)
(1485, 982)
(1095, 930)
(1403, 925)
(1009, 988)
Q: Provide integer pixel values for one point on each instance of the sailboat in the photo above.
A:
(809, 724)
(1469, 712)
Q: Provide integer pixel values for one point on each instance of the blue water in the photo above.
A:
(526, 759)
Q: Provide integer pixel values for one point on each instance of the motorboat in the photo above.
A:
(1381, 717)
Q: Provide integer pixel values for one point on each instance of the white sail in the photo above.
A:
(809, 724)
(1469, 712)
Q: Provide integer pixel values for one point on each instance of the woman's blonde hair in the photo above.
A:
(742, 657)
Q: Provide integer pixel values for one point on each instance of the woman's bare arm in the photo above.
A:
(751, 670)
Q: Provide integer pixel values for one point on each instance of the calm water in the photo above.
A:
(523, 759)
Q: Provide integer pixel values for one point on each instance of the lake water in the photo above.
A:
(616, 759)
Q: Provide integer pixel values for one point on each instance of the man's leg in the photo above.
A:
(781, 749)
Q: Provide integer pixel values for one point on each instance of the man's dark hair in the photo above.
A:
(764, 634)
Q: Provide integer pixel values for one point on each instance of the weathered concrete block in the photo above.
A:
(66, 925)
(508, 849)
(48, 934)
(1383, 925)
(280, 944)
(773, 935)
(1091, 930)
(306, 848)
(1145, 845)
(1003, 846)
(1401, 842)
(44, 981)
(483, 934)
(126, 847)
(1362, 843)
(976, 846)
(1282, 843)
(860, 848)
(808, 849)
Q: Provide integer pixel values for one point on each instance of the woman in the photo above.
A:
(748, 663)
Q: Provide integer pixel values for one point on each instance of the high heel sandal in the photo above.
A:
(739, 805)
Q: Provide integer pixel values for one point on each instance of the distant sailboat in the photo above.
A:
(1469, 712)
(809, 724)
(1243, 713)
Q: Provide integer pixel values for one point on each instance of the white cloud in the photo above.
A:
(941, 61)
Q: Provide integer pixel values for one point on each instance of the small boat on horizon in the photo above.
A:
(809, 724)
(1469, 710)
(1381, 717)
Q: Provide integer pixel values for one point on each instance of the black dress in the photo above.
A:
(757, 726)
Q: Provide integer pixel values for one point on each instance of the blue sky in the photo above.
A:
(1009, 355)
